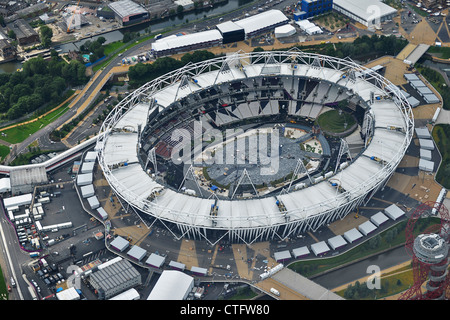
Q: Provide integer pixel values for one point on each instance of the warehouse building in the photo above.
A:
(128, 12)
(25, 34)
(114, 279)
(172, 285)
(261, 23)
(186, 43)
(365, 11)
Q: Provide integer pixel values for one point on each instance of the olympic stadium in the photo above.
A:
(219, 105)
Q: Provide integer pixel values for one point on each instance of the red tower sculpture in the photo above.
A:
(430, 254)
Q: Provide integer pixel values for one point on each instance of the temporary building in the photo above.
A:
(93, 202)
(199, 271)
(413, 101)
(366, 228)
(282, 256)
(262, 22)
(172, 285)
(360, 11)
(425, 154)
(87, 191)
(426, 165)
(426, 144)
(337, 242)
(90, 156)
(320, 248)
(87, 167)
(18, 201)
(137, 253)
(378, 219)
(130, 294)
(300, 252)
(120, 244)
(84, 179)
(155, 260)
(352, 235)
(304, 24)
(5, 185)
(102, 213)
(394, 212)
(423, 133)
(314, 30)
(68, 294)
(431, 98)
(411, 76)
(284, 31)
(177, 265)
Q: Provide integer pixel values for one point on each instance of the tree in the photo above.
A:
(46, 34)
(12, 34)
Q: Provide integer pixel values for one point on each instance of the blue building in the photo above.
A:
(311, 8)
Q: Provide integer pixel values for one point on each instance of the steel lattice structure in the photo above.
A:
(429, 253)
(255, 219)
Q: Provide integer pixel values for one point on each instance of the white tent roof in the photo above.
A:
(155, 260)
(282, 255)
(262, 20)
(366, 227)
(336, 242)
(87, 191)
(90, 156)
(426, 144)
(187, 40)
(68, 294)
(352, 235)
(423, 133)
(120, 243)
(5, 185)
(426, 165)
(18, 200)
(84, 179)
(425, 154)
(319, 248)
(284, 31)
(298, 252)
(172, 285)
(378, 219)
(360, 8)
(137, 252)
(394, 212)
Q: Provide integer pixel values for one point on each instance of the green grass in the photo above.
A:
(4, 151)
(3, 290)
(441, 135)
(441, 52)
(113, 46)
(20, 133)
(332, 122)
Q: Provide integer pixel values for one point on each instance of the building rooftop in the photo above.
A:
(126, 8)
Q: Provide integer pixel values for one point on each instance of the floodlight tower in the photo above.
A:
(430, 254)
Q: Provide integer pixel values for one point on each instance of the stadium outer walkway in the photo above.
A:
(293, 286)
